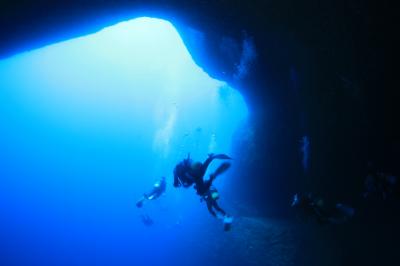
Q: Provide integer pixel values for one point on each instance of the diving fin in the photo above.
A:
(221, 169)
(221, 156)
(228, 223)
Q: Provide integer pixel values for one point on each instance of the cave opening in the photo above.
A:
(90, 123)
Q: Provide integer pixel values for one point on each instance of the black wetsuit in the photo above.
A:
(212, 203)
(184, 176)
(157, 190)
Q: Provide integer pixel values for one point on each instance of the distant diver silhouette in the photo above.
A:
(312, 206)
(158, 189)
(147, 220)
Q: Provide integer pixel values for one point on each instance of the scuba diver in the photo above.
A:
(158, 189)
(187, 173)
(313, 206)
(146, 220)
(381, 185)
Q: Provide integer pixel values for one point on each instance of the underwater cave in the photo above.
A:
(99, 99)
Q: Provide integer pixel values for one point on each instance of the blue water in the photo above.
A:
(87, 126)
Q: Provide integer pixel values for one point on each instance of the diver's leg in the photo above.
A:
(206, 164)
(207, 184)
(227, 220)
(218, 208)
(139, 203)
(210, 158)
(220, 170)
(146, 196)
(210, 209)
(153, 194)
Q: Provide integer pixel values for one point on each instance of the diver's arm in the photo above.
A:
(139, 203)
(209, 207)
(207, 184)
(218, 208)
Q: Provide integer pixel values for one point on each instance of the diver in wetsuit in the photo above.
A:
(158, 189)
(211, 198)
(181, 173)
(188, 173)
(381, 185)
(313, 206)
(203, 187)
